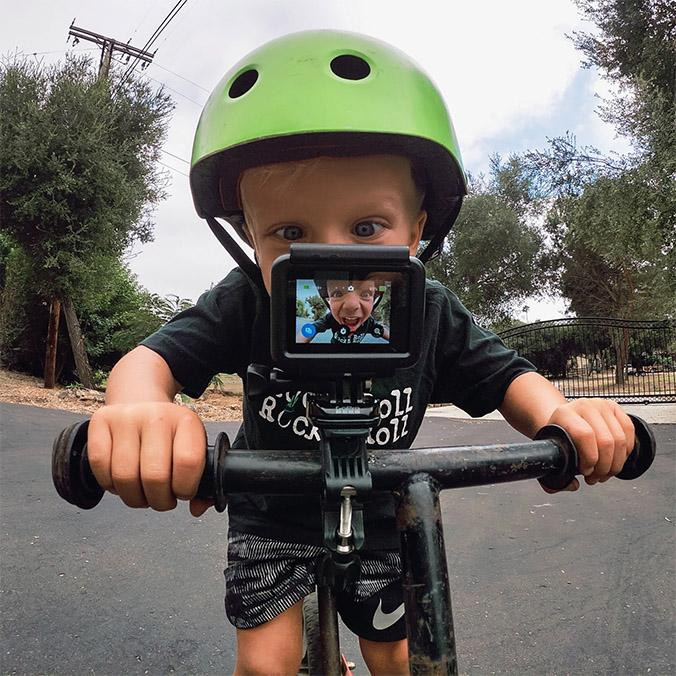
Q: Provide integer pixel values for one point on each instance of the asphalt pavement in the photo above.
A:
(542, 584)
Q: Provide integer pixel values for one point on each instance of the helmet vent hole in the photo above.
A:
(350, 67)
(243, 83)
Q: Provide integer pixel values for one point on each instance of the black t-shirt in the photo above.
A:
(229, 328)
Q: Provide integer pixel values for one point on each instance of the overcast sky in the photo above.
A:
(509, 75)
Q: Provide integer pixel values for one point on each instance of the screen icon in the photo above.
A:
(308, 330)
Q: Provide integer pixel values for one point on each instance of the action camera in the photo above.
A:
(346, 309)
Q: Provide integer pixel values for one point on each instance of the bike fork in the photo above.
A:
(328, 628)
(427, 595)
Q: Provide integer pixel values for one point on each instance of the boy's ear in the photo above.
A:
(417, 231)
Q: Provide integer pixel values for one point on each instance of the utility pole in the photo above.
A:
(108, 46)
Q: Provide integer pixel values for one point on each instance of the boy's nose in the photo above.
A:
(351, 301)
(331, 235)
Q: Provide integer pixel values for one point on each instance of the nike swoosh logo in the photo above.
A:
(383, 620)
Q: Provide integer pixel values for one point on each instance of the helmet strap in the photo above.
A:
(433, 249)
(248, 267)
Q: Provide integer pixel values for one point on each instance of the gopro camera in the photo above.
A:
(346, 309)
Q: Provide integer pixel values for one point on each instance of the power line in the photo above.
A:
(166, 86)
(145, 16)
(176, 156)
(204, 89)
(172, 168)
(61, 51)
(158, 31)
(197, 103)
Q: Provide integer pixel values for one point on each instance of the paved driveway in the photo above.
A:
(572, 583)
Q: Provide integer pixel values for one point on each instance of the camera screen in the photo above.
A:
(344, 310)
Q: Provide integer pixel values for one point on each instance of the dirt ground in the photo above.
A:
(17, 388)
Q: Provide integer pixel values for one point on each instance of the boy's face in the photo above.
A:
(351, 303)
(330, 200)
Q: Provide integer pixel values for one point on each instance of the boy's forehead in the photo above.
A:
(273, 181)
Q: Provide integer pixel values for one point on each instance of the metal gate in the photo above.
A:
(625, 360)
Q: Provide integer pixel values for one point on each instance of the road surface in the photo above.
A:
(569, 583)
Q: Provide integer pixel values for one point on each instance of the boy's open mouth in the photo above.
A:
(351, 322)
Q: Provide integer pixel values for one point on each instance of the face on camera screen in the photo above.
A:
(344, 311)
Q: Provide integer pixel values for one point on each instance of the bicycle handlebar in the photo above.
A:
(551, 457)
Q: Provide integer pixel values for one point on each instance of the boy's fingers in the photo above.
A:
(583, 436)
(199, 506)
(99, 450)
(627, 427)
(189, 456)
(621, 447)
(572, 486)
(125, 465)
(605, 444)
(155, 463)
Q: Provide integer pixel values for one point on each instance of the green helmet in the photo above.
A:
(319, 93)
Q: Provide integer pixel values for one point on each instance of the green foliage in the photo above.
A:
(611, 254)
(383, 312)
(634, 48)
(301, 310)
(22, 314)
(612, 219)
(490, 259)
(116, 313)
(78, 183)
(78, 173)
(318, 307)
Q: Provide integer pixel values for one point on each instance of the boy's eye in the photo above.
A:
(290, 232)
(367, 228)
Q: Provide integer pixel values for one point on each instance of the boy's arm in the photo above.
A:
(141, 445)
(141, 375)
(602, 433)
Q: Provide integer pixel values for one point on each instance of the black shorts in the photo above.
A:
(265, 577)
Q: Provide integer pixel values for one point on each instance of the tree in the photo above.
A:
(612, 221)
(318, 307)
(610, 251)
(115, 312)
(634, 48)
(301, 310)
(78, 175)
(491, 256)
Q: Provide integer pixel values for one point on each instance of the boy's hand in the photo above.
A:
(602, 433)
(149, 454)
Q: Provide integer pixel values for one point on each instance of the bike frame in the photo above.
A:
(415, 477)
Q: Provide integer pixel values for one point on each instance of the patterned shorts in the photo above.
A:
(265, 577)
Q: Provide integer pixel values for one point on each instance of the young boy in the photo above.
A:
(349, 318)
(320, 137)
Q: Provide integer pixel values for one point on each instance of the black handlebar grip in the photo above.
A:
(557, 481)
(71, 473)
(212, 483)
(643, 454)
(75, 483)
(639, 460)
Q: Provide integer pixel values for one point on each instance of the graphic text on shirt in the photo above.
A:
(286, 411)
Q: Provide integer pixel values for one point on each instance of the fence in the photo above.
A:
(629, 361)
